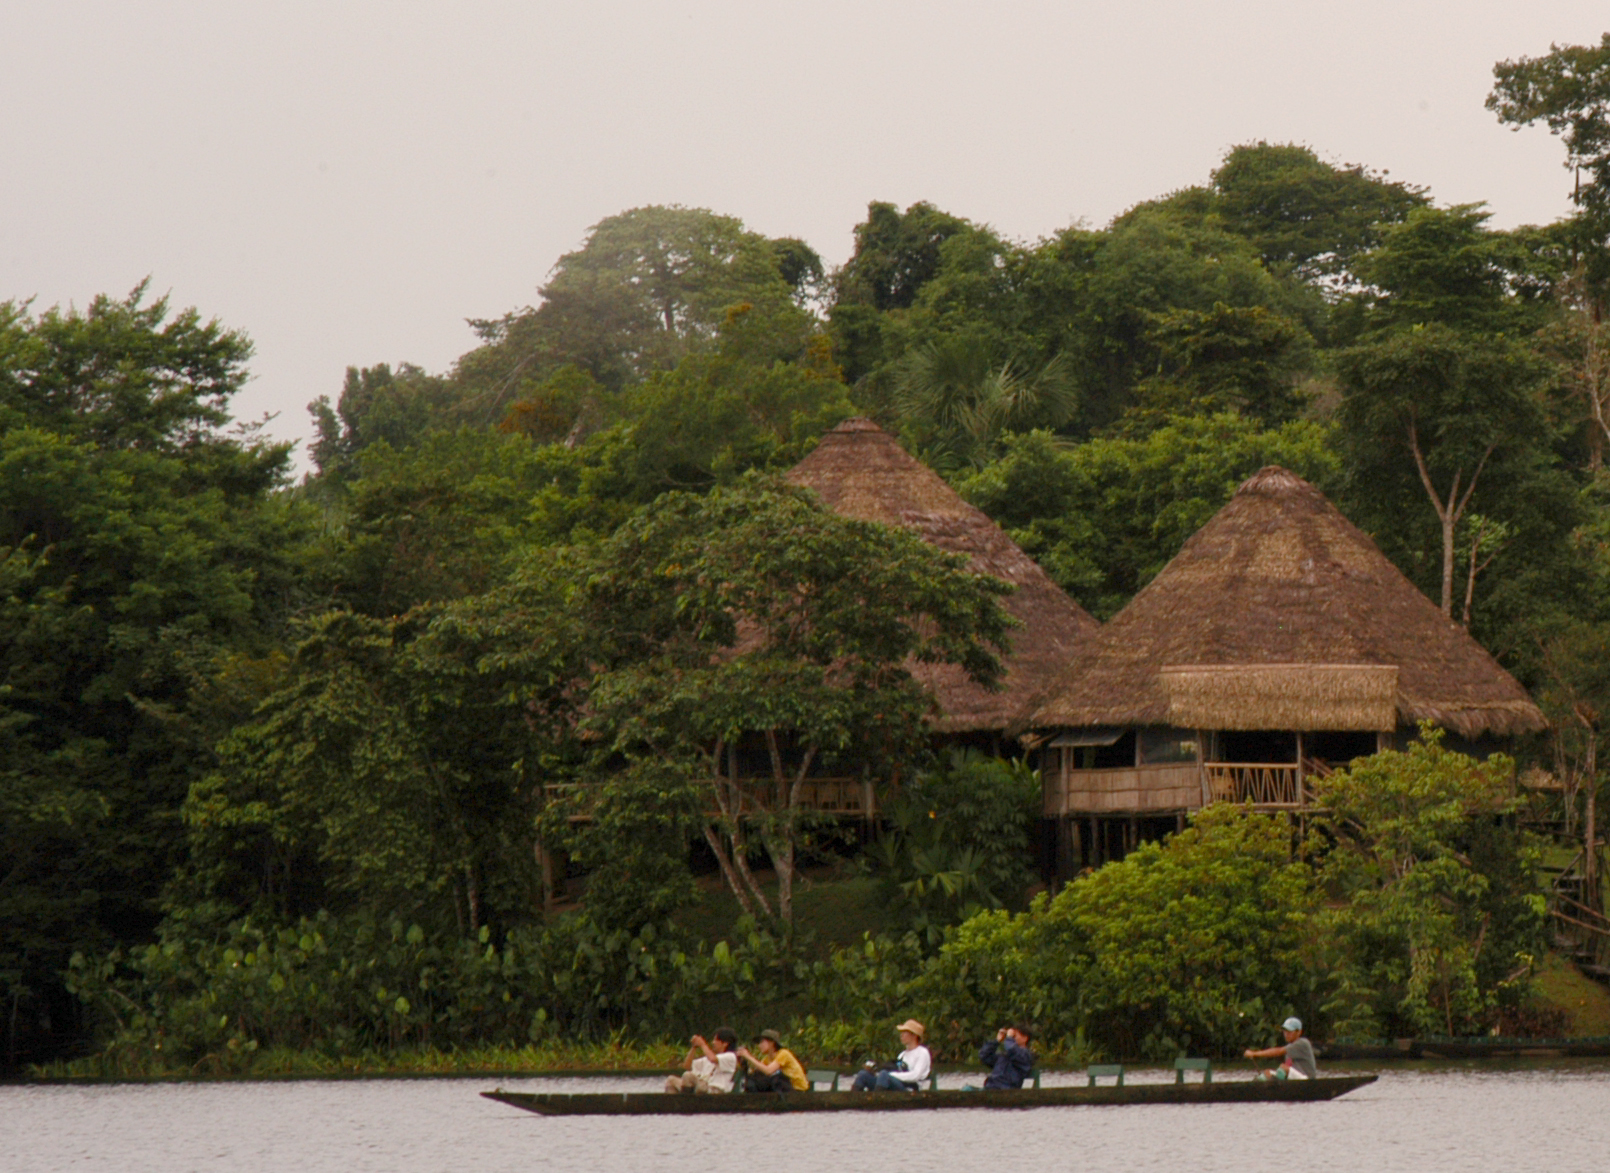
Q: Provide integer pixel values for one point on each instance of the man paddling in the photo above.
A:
(1298, 1054)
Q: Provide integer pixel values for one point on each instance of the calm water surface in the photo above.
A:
(1554, 1118)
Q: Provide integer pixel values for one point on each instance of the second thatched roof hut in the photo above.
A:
(860, 471)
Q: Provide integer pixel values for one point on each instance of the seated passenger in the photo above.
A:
(775, 1069)
(1009, 1058)
(1298, 1054)
(709, 1066)
(908, 1072)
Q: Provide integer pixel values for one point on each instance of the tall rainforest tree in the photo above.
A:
(648, 286)
(1568, 89)
(1443, 384)
(1448, 403)
(140, 548)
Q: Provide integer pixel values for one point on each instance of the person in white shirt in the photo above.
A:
(710, 1066)
(910, 1069)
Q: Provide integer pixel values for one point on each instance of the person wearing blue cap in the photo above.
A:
(1298, 1054)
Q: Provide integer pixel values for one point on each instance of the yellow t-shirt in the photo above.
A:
(789, 1066)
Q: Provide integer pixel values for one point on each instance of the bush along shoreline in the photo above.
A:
(1412, 911)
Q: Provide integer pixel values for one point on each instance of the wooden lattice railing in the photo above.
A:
(1274, 784)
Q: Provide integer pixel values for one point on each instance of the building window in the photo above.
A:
(1161, 747)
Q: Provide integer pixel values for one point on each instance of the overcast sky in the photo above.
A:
(348, 182)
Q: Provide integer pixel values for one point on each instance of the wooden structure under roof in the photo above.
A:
(860, 471)
(1279, 641)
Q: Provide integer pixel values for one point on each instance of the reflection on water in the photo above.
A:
(1554, 1117)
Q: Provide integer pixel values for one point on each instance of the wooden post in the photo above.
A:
(1302, 796)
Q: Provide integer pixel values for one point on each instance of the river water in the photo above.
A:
(1554, 1118)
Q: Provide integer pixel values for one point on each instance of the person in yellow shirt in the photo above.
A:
(775, 1069)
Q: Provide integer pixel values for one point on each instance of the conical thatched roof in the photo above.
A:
(1279, 613)
(860, 471)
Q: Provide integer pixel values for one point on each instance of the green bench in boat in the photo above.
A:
(1182, 1065)
(1102, 1070)
(818, 1075)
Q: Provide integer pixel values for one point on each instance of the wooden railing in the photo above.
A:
(1267, 784)
(830, 796)
(845, 797)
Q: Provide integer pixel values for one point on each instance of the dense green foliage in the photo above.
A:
(1439, 918)
(958, 841)
(463, 710)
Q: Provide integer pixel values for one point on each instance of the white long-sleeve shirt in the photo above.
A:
(918, 1064)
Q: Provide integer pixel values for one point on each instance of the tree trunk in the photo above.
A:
(472, 895)
(783, 862)
(545, 870)
(1590, 829)
(1448, 512)
(719, 849)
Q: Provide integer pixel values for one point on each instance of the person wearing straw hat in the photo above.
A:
(1298, 1054)
(775, 1069)
(908, 1072)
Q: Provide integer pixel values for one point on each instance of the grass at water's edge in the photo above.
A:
(1586, 1003)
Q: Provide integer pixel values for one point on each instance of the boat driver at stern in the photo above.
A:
(1298, 1054)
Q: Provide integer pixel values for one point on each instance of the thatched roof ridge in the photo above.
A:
(1279, 580)
(860, 471)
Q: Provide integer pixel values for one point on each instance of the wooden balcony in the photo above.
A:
(1174, 787)
(1132, 790)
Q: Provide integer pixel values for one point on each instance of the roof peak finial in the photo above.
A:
(1273, 481)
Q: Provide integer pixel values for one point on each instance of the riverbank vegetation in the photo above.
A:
(429, 752)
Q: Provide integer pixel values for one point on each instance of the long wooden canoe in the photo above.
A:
(1241, 1091)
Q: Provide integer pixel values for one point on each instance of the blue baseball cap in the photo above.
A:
(1293, 1023)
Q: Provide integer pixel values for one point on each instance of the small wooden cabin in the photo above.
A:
(1277, 644)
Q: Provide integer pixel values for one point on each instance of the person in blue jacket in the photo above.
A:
(1009, 1058)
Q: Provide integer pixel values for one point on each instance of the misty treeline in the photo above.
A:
(412, 751)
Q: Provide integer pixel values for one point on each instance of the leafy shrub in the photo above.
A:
(1440, 910)
(959, 841)
(1194, 945)
(207, 997)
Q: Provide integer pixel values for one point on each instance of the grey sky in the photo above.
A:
(349, 181)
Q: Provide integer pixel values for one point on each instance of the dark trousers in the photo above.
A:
(880, 1081)
(759, 1081)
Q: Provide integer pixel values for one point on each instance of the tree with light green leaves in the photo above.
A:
(752, 618)
(648, 286)
(1441, 915)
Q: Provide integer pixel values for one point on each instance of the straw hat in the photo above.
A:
(914, 1027)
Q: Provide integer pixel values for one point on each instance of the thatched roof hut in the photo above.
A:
(1279, 613)
(860, 471)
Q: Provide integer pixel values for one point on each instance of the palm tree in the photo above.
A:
(963, 400)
